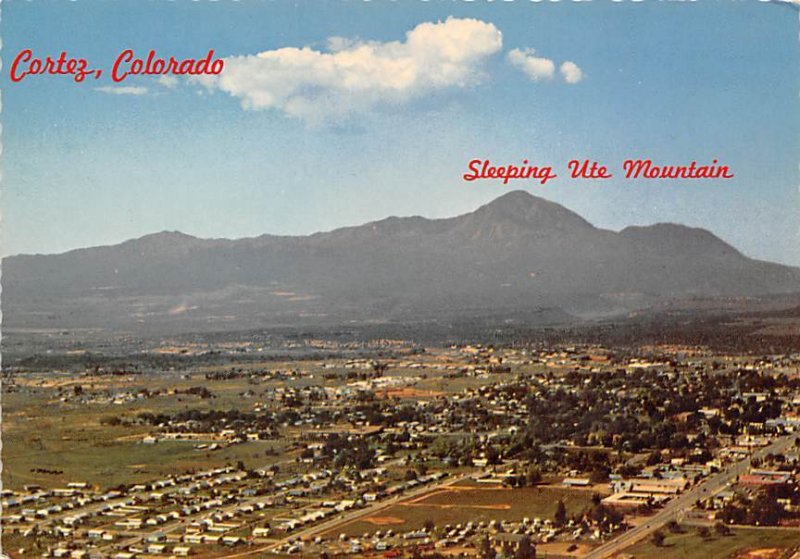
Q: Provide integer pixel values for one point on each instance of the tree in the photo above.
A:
(765, 510)
(526, 549)
(428, 525)
(492, 456)
(534, 475)
(599, 474)
(560, 517)
(657, 538)
(721, 529)
(653, 458)
(704, 532)
(486, 549)
(673, 526)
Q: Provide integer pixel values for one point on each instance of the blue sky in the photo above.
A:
(672, 81)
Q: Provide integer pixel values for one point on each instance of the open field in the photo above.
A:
(743, 543)
(40, 433)
(464, 503)
(107, 463)
(44, 428)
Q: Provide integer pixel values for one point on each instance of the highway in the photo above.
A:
(682, 503)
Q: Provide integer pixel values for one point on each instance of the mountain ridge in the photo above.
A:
(518, 254)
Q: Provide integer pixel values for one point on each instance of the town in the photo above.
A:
(398, 450)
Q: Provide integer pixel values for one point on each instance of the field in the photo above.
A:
(463, 503)
(73, 444)
(46, 428)
(743, 543)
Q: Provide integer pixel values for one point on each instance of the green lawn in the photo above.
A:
(690, 545)
(39, 433)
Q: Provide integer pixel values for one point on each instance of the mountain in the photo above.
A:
(518, 258)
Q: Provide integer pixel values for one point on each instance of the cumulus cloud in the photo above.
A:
(122, 90)
(538, 68)
(571, 72)
(535, 67)
(353, 76)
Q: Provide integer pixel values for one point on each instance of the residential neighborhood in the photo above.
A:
(465, 450)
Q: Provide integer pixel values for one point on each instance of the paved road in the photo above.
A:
(679, 505)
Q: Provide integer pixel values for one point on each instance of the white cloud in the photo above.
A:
(571, 72)
(122, 90)
(168, 81)
(354, 76)
(535, 67)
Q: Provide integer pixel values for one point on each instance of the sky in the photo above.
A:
(336, 113)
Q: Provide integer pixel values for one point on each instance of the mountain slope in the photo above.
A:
(518, 256)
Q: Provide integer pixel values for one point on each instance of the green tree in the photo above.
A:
(721, 529)
(486, 549)
(526, 549)
(657, 539)
(560, 517)
(534, 475)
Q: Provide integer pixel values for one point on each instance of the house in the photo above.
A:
(261, 532)
(759, 478)
(659, 486)
(505, 540)
(629, 501)
(156, 537)
(576, 482)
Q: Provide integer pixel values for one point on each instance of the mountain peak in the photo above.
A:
(532, 212)
(169, 242)
(516, 197)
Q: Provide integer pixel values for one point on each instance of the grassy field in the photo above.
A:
(40, 432)
(460, 504)
(745, 543)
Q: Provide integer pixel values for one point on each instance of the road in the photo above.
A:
(682, 503)
(325, 526)
(368, 511)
